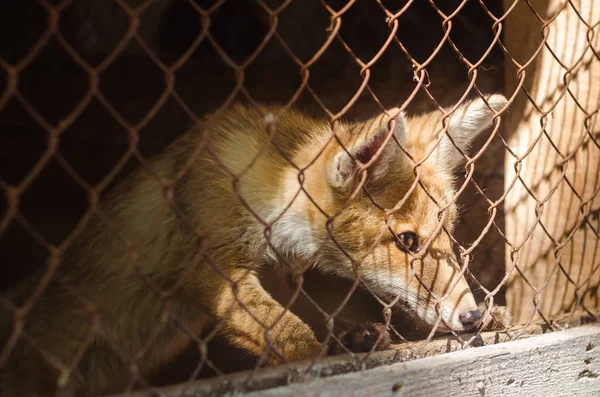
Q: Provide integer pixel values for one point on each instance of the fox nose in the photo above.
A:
(470, 317)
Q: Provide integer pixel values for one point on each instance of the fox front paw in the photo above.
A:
(361, 338)
(499, 318)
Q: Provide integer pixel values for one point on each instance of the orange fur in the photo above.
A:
(202, 238)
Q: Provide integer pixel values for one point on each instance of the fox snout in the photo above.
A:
(458, 311)
(442, 289)
(436, 293)
(445, 293)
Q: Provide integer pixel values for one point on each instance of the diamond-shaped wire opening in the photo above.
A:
(122, 80)
(55, 71)
(12, 29)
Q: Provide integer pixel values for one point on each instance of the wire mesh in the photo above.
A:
(197, 188)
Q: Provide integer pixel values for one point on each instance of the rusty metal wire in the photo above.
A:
(526, 237)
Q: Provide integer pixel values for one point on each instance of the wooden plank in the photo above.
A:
(270, 377)
(564, 363)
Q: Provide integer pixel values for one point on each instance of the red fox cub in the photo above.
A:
(170, 251)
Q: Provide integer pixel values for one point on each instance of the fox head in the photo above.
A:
(391, 223)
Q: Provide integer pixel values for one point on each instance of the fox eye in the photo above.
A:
(407, 241)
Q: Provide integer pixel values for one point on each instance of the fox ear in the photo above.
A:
(343, 168)
(466, 123)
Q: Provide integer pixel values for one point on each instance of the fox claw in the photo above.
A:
(362, 338)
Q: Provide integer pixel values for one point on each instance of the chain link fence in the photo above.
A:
(197, 188)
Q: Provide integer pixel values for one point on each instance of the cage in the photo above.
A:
(171, 223)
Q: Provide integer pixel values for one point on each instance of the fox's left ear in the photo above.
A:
(372, 135)
(466, 123)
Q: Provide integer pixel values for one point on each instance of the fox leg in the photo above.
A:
(248, 312)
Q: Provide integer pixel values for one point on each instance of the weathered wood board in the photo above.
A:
(565, 363)
(331, 367)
